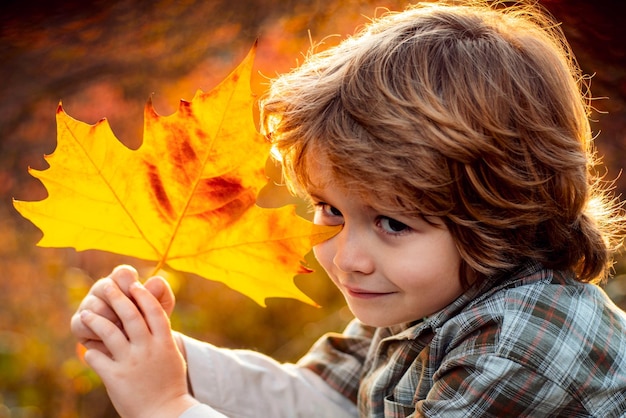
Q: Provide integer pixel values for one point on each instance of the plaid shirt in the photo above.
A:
(538, 344)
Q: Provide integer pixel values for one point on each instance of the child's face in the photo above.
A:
(390, 270)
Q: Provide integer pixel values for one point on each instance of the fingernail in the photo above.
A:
(84, 314)
(136, 285)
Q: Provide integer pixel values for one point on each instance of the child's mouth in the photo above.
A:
(365, 294)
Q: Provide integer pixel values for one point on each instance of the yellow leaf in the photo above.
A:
(186, 197)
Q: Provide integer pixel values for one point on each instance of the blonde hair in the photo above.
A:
(474, 113)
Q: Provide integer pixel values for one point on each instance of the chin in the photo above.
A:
(374, 322)
(378, 321)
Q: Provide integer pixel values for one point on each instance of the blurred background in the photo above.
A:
(105, 59)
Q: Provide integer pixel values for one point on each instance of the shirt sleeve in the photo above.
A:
(340, 359)
(492, 386)
(202, 411)
(243, 383)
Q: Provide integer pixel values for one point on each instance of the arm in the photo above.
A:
(240, 383)
(213, 372)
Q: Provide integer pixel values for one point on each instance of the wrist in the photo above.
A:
(180, 344)
(181, 347)
(173, 408)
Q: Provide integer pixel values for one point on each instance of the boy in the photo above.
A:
(452, 144)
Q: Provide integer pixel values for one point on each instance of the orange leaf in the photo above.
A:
(185, 198)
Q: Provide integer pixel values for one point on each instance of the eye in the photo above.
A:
(391, 226)
(332, 211)
(326, 214)
(327, 209)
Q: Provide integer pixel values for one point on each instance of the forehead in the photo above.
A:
(320, 172)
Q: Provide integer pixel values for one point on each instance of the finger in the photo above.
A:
(81, 331)
(100, 306)
(97, 302)
(133, 322)
(94, 304)
(111, 336)
(98, 361)
(96, 345)
(123, 276)
(153, 312)
(97, 290)
(162, 291)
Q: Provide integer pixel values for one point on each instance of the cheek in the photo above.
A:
(324, 254)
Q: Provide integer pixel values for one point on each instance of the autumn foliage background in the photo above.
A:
(105, 59)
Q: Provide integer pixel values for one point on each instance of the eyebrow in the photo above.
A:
(315, 196)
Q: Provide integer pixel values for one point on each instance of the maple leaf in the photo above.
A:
(186, 197)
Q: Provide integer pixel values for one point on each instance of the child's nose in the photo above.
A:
(353, 252)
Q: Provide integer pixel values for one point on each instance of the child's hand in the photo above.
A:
(145, 372)
(96, 301)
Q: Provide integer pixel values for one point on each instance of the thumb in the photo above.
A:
(162, 291)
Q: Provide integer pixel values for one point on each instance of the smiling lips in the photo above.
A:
(365, 294)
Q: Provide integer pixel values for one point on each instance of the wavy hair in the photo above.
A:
(474, 112)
